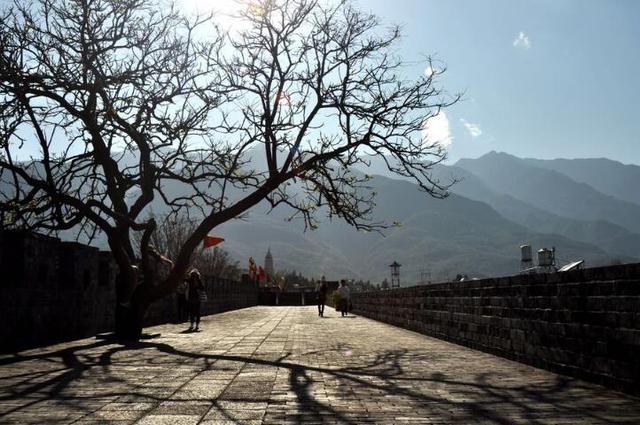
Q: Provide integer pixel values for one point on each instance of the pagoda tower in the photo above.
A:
(268, 263)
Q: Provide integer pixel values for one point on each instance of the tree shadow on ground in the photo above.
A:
(386, 376)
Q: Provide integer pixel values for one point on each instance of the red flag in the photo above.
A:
(211, 241)
(261, 274)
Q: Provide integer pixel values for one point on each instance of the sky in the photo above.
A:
(542, 78)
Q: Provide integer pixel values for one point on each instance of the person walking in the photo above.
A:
(322, 296)
(345, 298)
(195, 289)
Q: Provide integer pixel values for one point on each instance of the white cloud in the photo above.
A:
(522, 41)
(436, 129)
(473, 129)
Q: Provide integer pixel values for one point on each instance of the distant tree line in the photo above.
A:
(171, 234)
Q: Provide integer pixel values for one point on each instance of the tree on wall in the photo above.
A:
(170, 235)
(109, 106)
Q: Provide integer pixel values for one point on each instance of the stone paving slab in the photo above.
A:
(277, 365)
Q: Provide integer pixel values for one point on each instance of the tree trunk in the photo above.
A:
(130, 314)
(129, 321)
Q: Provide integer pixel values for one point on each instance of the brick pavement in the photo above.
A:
(280, 365)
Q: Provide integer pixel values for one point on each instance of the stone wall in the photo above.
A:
(222, 295)
(287, 298)
(584, 323)
(52, 291)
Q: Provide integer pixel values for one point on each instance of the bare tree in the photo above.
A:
(170, 235)
(128, 101)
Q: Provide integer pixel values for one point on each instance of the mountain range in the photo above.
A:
(586, 208)
(499, 203)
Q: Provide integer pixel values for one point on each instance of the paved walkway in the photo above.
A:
(286, 365)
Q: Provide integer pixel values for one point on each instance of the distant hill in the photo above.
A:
(550, 190)
(444, 237)
(606, 176)
(615, 239)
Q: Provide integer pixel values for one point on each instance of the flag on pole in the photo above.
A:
(211, 241)
(262, 276)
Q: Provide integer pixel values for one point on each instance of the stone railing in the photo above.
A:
(584, 323)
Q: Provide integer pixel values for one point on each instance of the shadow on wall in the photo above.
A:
(67, 377)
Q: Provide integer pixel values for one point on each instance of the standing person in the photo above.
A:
(194, 290)
(322, 297)
(345, 298)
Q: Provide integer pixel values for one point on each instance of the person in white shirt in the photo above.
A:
(345, 298)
